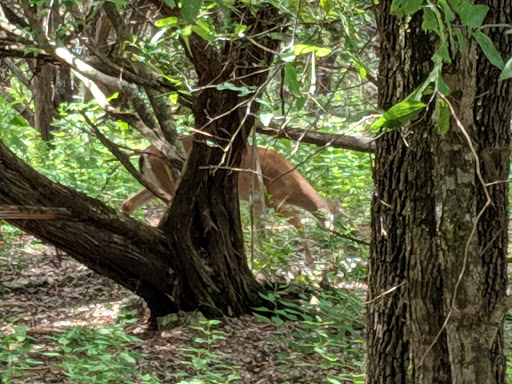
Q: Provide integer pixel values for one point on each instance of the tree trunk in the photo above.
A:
(473, 218)
(429, 353)
(428, 217)
(44, 111)
(388, 348)
(204, 220)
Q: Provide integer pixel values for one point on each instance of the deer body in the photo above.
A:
(285, 186)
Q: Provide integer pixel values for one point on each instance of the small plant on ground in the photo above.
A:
(328, 325)
(17, 355)
(207, 363)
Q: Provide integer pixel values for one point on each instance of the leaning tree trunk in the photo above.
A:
(114, 245)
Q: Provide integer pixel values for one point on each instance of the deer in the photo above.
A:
(285, 187)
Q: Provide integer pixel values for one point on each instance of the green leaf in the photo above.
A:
(127, 357)
(442, 116)
(450, 16)
(290, 80)
(461, 40)
(202, 33)
(402, 8)
(489, 49)
(362, 72)
(443, 52)
(443, 87)
(170, 3)
(301, 49)
(404, 109)
(507, 70)
(261, 318)
(471, 15)
(326, 5)
(400, 113)
(430, 22)
(190, 9)
(167, 21)
(243, 91)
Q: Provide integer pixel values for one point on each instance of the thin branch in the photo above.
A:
(125, 161)
(360, 144)
(17, 72)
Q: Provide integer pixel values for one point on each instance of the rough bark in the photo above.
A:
(436, 220)
(473, 243)
(387, 345)
(429, 353)
(42, 90)
(204, 220)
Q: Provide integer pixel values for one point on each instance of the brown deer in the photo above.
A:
(284, 185)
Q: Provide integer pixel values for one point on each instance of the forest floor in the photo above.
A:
(48, 300)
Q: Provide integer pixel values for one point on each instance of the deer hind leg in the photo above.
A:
(294, 219)
(136, 201)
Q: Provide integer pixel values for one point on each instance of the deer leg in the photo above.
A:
(294, 219)
(136, 201)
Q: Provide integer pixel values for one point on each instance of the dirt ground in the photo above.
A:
(48, 292)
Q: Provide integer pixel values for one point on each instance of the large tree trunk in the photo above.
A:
(430, 228)
(429, 353)
(473, 218)
(204, 220)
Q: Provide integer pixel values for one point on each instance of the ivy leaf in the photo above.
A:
(450, 16)
(190, 9)
(243, 91)
(402, 8)
(444, 52)
(400, 113)
(471, 15)
(442, 116)
(489, 49)
(290, 79)
(430, 21)
(507, 71)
